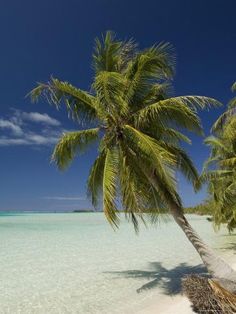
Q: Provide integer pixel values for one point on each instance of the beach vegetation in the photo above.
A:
(220, 168)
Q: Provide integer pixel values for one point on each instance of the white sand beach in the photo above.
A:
(176, 304)
(170, 305)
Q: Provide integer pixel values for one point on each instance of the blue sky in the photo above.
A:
(43, 38)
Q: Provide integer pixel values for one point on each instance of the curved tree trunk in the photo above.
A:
(216, 266)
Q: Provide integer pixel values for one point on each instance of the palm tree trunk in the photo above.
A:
(216, 266)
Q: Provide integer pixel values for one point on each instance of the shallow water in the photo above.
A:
(76, 263)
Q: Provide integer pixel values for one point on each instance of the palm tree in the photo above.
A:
(220, 169)
(138, 127)
(224, 118)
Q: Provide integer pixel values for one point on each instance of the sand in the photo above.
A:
(170, 305)
(177, 304)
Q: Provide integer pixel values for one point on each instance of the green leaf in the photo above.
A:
(169, 112)
(95, 179)
(106, 53)
(155, 160)
(110, 176)
(149, 67)
(70, 144)
(110, 87)
(80, 104)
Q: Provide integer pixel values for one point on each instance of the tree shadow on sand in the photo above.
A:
(169, 280)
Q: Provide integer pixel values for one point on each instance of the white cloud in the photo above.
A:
(21, 124)
(29, 139)
(32, 139)
(41, 139)
(12, 141)
(39, 118)
(7, 124)
(65, 198)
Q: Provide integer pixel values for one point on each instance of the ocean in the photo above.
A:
(76, 263)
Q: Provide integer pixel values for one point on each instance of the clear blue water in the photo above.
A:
(76, 263)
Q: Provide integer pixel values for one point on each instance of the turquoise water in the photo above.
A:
(76, 263)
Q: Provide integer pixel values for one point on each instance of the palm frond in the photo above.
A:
(110, 178)
(227, 115)
(222, 120)
(127, 52)
(157, 92)
(230, 129)
(215, 175)
(216, 145)
(139, 198)
(166, 134)
(228, 162)
(228, 195)
(149, 146)
(166, 193)
(150, 65)
(184, 163)
(95, 179)
(133, 196)
(80, 104)
(232, 103)
(110, 87)
(154, 158)
(171, 135)
(70, 144)
(212, 161)
(199, 102)
(170, 112)
(106, 53)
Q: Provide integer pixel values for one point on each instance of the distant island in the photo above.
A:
(84, 211)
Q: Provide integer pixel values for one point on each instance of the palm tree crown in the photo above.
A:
(138, 126)
(220, 170)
